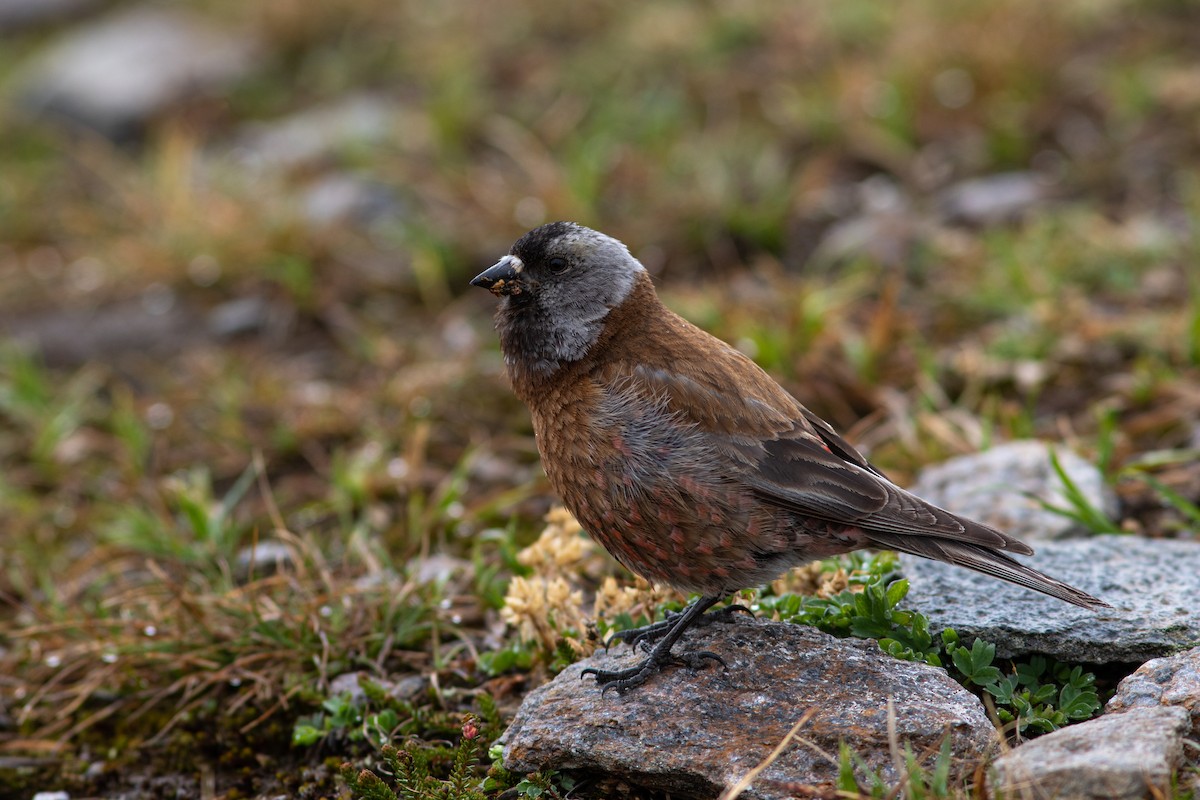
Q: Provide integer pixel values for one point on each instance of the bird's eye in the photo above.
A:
(558, 265)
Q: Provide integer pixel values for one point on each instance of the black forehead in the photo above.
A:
(535, 246)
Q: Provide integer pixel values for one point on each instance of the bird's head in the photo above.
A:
(563, 264)
(557, 284)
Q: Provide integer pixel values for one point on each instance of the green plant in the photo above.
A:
(918, 782)
(46, 411)
(515, 655)
(1188, 510)
(867, 610)
(1069, 695)
(412, 772)
(379, 717)
(974, 665)
(1078, 507)
(201, 529)
(422, 768)
(549, 784)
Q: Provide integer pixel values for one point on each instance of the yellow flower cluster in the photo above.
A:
(641, 599)
(812, 579)
(546, 608)
(561, 549)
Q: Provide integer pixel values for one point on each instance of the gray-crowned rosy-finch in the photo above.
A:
(685, 459)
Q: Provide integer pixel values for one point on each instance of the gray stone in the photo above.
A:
(264, 558)
(78, 335)
(315, 134)
(347, 684)
(408, 687)
(691, 733)
(342, 197)
(1151, 584)
(249, 315)
(885, 237)
(157, 324)
(440, 568)
(1170, 681)
(1130, 755)
(16, 15)
(1001, 487)
(875, 220)
(992, 199)
(113, 75)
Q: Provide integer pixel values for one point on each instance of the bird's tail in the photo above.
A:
(986, 560)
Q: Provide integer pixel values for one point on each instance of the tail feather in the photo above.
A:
(985, 560)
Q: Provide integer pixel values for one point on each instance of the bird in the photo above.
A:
(685, 459)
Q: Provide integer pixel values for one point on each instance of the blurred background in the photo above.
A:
(235, 240)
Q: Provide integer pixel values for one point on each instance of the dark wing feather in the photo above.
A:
(804, 477)
(989, 562)
(839, 446)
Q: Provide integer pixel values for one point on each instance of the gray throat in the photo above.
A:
(540, 343)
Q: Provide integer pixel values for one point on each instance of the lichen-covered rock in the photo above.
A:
(694, 733)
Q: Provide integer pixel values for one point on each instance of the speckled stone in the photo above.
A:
(1151, 584)
(1116, 757)
(694, 733)
(1002, 486)
(1170, 681)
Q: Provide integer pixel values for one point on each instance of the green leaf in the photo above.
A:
(306, 735)
(1078, 507)
(846, 781)
(527, 789)
(897, 592)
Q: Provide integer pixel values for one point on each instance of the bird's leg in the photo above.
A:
(647, 635)
(667, 633)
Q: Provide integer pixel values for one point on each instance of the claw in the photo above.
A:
(696, 660)
(663, 635)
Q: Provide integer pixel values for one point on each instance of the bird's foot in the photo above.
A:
(647, 635)
(623, 679)
(663, 634)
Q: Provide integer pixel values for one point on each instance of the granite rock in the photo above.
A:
(1151, 584)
